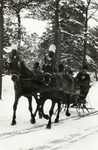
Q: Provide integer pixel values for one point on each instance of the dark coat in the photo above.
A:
(83, 78)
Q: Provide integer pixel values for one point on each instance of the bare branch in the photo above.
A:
(92, 14)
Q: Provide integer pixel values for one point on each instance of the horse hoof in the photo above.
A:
(32, 121)
(46, 117)
(48, 127)
(56, 120)
(13, 123)
(68, 114)
(40, 117)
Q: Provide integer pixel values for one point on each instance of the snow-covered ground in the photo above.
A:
(71, 133)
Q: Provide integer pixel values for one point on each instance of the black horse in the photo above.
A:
(57, 88)
(25, 84)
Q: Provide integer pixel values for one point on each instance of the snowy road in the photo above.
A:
(71, 133)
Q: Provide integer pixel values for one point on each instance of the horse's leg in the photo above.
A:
(38, 108)
(38, 102)
(17, 96)
(39, 112)
(68, 104)
(58, 113)
(30, 109)
(41, 109)
(50, 115)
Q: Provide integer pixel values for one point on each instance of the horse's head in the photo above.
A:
(15, 66)
(47, 78)
(15, 69)
(48, 74)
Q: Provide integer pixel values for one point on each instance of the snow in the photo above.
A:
(34, 26)
(71, 133)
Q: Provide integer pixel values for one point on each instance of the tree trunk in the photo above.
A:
(19, 29)
(57, 35)
(1, 45)
(85, 37)
(86, 29)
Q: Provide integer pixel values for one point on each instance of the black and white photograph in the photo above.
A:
(48, 74)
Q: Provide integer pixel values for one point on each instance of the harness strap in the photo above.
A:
(15, 75)
(47, 73)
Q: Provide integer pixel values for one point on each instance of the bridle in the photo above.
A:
(16, 73)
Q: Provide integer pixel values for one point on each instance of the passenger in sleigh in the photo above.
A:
(83, 80)
(61, 73)
(61, 70)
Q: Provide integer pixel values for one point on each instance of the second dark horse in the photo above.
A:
(57, 88)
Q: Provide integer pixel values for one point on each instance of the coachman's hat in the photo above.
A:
(52, 48)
